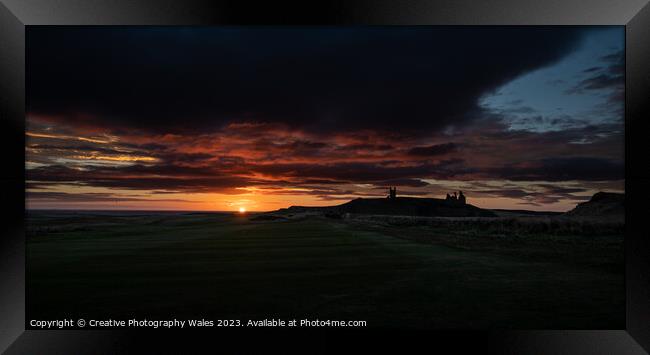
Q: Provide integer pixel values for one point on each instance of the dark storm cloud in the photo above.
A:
(297, 148)
(564, 169)
(186, 157)
(600, 82)
(74, 148)
(433, 150)
(402, 182)
(592, 69)
(609, 137)
(615, 57)
(537, 198)
(229, 178)
(224, 178)
(612, 76)
(365, 172)
(553, 189)
(226, 184)
(141, 177)
(90, 197)
(566, 121)
(146, 147)
(364, 147)
(164, 156)
(159, 79)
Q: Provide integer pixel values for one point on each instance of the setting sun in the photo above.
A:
(242, 209)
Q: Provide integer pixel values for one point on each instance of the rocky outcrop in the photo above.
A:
(602, 204)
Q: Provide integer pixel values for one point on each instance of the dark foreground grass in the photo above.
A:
(226, 267)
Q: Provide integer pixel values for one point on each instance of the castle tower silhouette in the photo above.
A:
(392, 193)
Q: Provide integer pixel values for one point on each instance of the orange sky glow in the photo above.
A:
(262, 118)
(260, 168)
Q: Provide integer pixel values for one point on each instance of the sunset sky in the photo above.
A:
(200, 118)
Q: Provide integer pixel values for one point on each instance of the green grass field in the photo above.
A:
(220, 266)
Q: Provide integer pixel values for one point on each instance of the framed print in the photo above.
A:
(474, 175)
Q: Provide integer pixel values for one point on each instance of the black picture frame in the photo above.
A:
(16, 14)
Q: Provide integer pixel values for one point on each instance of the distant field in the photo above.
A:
(387, 272)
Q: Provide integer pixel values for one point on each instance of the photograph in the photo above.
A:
(379, 177)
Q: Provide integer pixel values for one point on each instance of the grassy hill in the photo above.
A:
(446, 273)
(400, 206)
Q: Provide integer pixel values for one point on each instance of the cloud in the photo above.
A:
(490, 153)
(553, 189)
(592, 69)
(416, 80)
(532, 195)
(140, 177)
(331, 114)
(402, 182)
(42, 196)
(564, 169)
(433, 150)
(364, 172)
(601, 81)
(611, 76)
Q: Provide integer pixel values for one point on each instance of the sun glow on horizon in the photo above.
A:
(242, 209)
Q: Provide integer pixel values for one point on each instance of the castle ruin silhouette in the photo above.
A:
(392, 193)
(457, 198)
